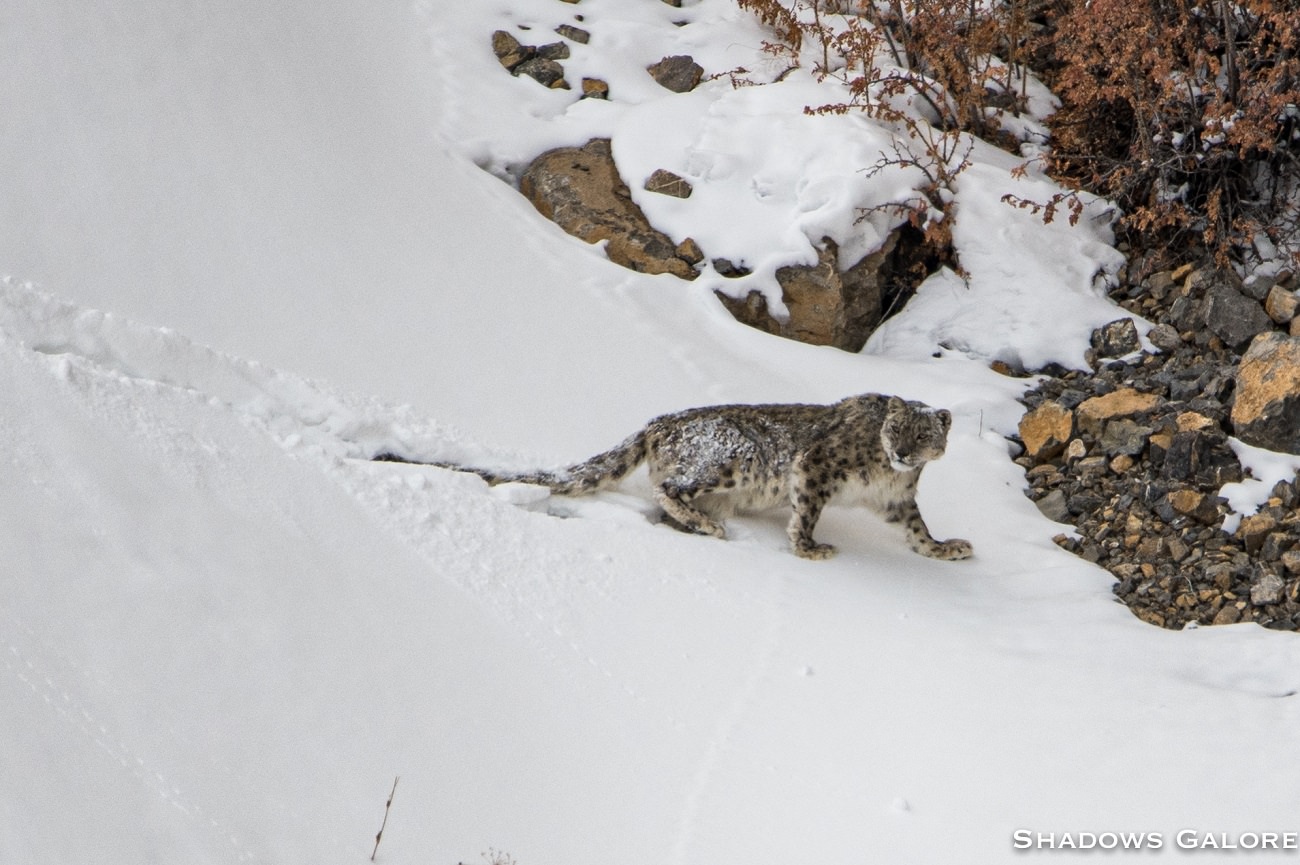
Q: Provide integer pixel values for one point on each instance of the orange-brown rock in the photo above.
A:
(1046, 430)
(1092, 414)
(1266, 412)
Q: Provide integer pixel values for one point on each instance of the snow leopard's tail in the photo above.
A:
(602, 471)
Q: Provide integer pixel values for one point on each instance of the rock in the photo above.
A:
(1274, 545)
(1075, 450)
(1291, 561)
(1201, 459)
(554, 51)
(1125, 402)
(1253, 531)
(1267, 590)
(667, 183)
(1190, 421)
(1229, 615)
(1286, 494)
(594, 88)
(579, 189)
(1195, 504)
(1165, 337)
(509, 51)
(1266, 411)
(1281, 305)
(1046, 430)
(1125, 437)
(1258, 285)
(1187, 313)
(576, 34)
(1159, 284)
(729, 269)
(679, 73)
(689, 251)
(1233, 317)
(1116, 339)
(1054, 507)
(826, 306)
(547, 72)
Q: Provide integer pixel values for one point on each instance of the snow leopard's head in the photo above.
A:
(913, 434)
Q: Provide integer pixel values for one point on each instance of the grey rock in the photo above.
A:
(678, 73)
(1233, 317)
(1124, 436)
(1268, 589)
(554, 51)
(548, 73)
(1165, 337)
(1201, 459)
(1054, 507)
(1116, 339)
(576, 34)
(726, 267)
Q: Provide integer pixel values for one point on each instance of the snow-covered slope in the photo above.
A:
(223, 634)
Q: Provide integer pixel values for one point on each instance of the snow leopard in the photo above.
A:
(708, 463)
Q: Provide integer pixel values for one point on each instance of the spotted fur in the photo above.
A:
(707, 463)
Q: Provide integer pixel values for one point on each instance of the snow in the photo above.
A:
(250, 246)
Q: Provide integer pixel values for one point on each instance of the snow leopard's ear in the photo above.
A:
(895, 405)
(945, 419)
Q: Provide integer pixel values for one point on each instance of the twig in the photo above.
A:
(387, 805)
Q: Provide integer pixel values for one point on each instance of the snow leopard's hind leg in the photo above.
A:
(675, 498)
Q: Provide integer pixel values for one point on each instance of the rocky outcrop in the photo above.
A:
(1140, 475)
(1266, 412)
(825, 305)
(579, 189)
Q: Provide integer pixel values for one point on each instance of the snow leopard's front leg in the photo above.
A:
(921, 541)
(808, 495)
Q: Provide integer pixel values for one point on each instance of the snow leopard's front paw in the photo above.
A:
(816, 552)
(953, 550)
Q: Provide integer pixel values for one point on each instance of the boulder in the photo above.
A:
(1046, 430)
(1233, 317)
(1195, 504)
(826, 305)
(1093, 413)
(679, 73)
(579, 189)
(1202, 459)
(1266, 411)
